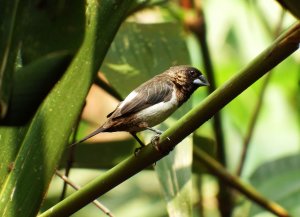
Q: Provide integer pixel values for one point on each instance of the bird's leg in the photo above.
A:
(136, 151)
(138, 140)
(154, 130)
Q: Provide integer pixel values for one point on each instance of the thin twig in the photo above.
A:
(70, 160)
(70, 157)
(77, 187)
(109, 89)
(199, 204)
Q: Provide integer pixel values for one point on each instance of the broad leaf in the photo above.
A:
(31, 84)
(10, 22)
(279, 181)
(42, 144)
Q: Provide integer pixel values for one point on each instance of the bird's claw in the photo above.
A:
(137, 150)
(155, 142)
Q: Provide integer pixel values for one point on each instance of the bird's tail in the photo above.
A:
(99, 130)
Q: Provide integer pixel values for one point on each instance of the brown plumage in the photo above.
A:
(153, 101)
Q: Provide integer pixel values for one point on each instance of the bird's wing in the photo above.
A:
(146, 95)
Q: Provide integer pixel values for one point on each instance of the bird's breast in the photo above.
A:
(157, 113)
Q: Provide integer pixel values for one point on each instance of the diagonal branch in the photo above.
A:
(284, 46)
(217, 169)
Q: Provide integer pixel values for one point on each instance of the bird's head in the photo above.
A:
(187, 77)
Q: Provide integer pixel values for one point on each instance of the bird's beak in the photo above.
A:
(201, 81)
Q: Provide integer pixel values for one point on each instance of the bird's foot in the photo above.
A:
(155, 142)
(137, 150)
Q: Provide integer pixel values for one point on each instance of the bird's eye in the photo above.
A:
(192, 73)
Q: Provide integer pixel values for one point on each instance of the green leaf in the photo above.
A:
(9, 37)
(175, 175)
(36, 28)
(86, 155)
(139, 52)
(10, 140)
(31, 85)
(279, 180)
(51, 27)
(44, 141)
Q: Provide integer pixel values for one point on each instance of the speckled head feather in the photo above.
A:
(187, 79)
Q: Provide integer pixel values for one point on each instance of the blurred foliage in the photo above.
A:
(154, 39)
(291, 5)
(282, 173)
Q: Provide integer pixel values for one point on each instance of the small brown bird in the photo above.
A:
(153, 101)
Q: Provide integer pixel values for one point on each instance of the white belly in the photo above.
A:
(157, 113)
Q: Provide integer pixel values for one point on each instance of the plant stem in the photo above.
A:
(109, 89)
(217, 169)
